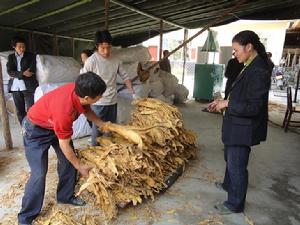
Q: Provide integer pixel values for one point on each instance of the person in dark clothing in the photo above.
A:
(165, 64)
(271, 63)
(232, 71)
(245, 118)
(21, 67)
(49, 123)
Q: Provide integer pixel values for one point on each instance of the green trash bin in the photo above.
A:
(208, 80)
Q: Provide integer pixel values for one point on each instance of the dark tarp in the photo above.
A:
(81, 18)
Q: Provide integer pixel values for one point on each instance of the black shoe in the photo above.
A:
(220, 186)
(222, 209)
(24, 223)
(75, 201)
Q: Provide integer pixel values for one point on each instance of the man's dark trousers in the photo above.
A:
(37, 142)
(236, 176)
(106, 113)
(23, 101)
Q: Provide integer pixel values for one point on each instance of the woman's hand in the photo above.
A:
(217, 105)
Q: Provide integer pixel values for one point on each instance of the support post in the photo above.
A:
(297, 86)
(184, 53)
(106, 7)
(4, 115)
(73, 47)
(55, 45)
(160, 38)
(30, 43)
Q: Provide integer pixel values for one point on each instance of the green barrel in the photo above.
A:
(208, 80)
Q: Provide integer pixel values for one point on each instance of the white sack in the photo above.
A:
(141, 91)
(45, 88)
(169, 81)
(156, 88)
(131, 70)
(132, 54)
(56, 69)
(124, 109)
(181, 94)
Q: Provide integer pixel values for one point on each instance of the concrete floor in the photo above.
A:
(274, 180)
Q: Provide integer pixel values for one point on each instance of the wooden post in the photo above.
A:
(288, 59)
(106, 8)
(4, 115)
(161, 23)
(30, 43)
(33, 44)
(73, 47)
(184, 53)
(297, 86)
(55, 45)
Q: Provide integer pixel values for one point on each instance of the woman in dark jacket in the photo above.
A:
(245, 117)
(21, 67)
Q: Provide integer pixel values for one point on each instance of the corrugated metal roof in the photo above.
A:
(81, 18)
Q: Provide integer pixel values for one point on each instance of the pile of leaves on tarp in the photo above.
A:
(135, 161)
(58, 217)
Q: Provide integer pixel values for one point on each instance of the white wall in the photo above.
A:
(272, 31)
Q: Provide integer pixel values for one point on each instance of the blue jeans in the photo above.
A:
(236, 176)
(105, 113)
(37, 141)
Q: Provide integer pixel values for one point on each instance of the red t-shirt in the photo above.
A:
(57, 111)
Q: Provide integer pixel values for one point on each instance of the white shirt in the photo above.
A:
(107, 69)
(18, 85)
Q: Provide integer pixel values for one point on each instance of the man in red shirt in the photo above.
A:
(49, 123)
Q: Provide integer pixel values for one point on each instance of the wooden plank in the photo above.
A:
(4, 115)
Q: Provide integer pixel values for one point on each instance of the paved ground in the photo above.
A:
(274, 180)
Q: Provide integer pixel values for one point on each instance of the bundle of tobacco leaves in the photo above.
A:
(135, 161)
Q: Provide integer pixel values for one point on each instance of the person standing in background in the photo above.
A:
(233, 69)
(165, 64)
(107, 67)
(271, 63)
(21, 67)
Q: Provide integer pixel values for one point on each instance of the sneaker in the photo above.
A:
(74, 201)
(220, 186)
(222, 209)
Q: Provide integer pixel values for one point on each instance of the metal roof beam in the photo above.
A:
(68, 7)
(146, 14)
(42, 33)
(17, 7)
